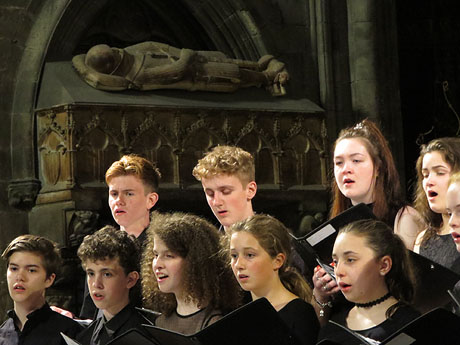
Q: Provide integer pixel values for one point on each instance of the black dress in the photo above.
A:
(402, 316)
(301, 319)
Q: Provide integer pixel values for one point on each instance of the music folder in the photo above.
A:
(316, 246)
(130, 337)
(433, 283)
(437, 327)
(254, 323)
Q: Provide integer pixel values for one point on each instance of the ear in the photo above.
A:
(251, 190)
(278, 261)
(385, 265)
(152, 199)
(50, 280)
(132, 279)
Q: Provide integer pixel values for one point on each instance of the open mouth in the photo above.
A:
(432, 194)
(161, 276)
(98, 296)
(348, 181)
(19, 288)
(344, 286)
(455, 236)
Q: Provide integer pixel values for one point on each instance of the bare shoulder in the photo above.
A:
(408, 225)
(418, 241)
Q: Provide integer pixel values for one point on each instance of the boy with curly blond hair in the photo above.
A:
(227, 174)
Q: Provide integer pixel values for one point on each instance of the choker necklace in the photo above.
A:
(375, 302)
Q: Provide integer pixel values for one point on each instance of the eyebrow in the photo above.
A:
(348, 252)
(436, 167)
(351, 155)
(28, 266)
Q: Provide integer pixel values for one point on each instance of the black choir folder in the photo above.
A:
(437, 327)
(432, 280)
(256, 323)
(316, 246)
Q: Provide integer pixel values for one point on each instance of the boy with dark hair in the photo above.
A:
(111, 260)
(227, 174)
(32, 264)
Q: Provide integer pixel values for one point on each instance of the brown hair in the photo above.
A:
(41, 246)
(110, 243)
(379, 237)
(449, 148)
(388, 198)
(274, 237)
(208, 279)
(136, 166)
(227, 160)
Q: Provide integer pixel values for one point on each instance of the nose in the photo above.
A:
(239, 263)
(96, 281)
(20, 275)
(156, 264)
(119, 200)
(454, 221)
(217, 200)
(429, 180)
(338, 270)
(346, 167)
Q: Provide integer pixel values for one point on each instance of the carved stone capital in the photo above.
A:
(23, 193)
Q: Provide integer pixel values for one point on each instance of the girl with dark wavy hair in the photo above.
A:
(374, 272)
(185, 276)
(260, 251)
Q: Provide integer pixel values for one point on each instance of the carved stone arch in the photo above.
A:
(225, 26)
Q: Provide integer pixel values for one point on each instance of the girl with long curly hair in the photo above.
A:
(185, 276)
(260, 251)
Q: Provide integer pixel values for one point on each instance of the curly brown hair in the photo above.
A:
(449, 148)
(110, 243)
(227, 160)
(388, 198)
(208, 279)
(138, 166)
(274, 237)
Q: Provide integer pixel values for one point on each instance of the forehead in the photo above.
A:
(221, 181)
(350, 146)
(243, 239)
(112, 263)
(26, 258)
(350, 242)
(453, 194)
(432, 159)
(125, 182)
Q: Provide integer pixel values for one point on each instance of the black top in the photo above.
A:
(402, 316)
(43, 327)
(301, 319)
(100, 331)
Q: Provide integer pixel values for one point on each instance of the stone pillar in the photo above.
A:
(374, 70)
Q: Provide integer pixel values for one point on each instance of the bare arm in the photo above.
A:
(408, 224)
